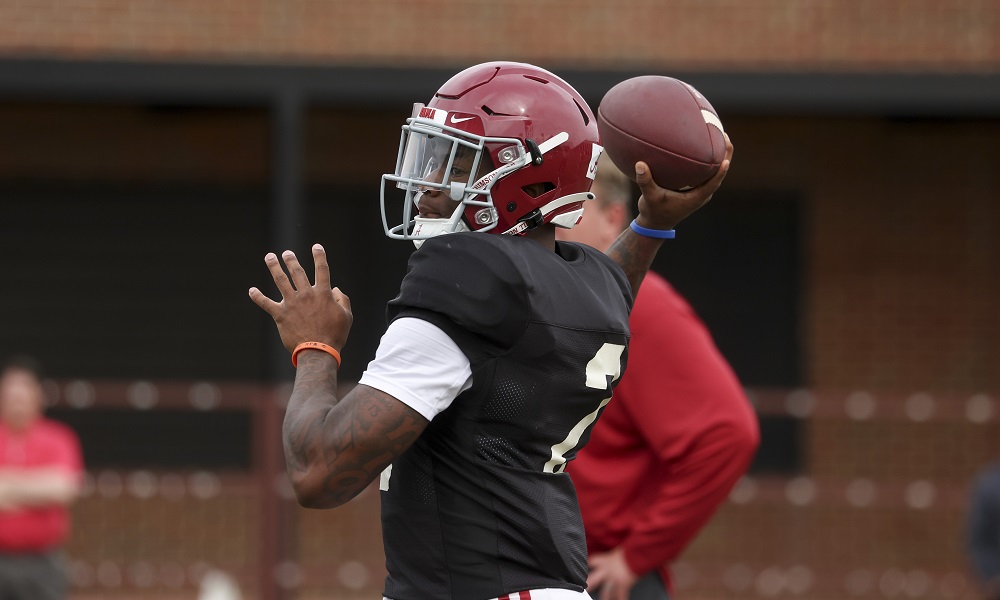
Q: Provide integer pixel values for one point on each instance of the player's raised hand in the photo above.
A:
(661, 208)
(306, 312)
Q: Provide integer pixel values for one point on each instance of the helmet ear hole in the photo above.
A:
(537, 189)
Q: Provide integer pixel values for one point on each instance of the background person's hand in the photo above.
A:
(610, 575)
(661, 208)
(306, 313)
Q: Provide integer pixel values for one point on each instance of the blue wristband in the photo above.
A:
(660, 234)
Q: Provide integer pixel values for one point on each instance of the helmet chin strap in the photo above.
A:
(566, 220)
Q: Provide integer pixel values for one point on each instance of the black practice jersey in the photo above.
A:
(479, 506)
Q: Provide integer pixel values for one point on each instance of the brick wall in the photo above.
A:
(195, 144)
(901, 248)
(852, 35)
(877, 512)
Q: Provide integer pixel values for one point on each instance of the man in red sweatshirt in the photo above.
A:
(673, 441)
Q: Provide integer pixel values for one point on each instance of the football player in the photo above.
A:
(502, 347)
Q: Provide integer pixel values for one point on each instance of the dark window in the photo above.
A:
(737, 261)
(161, 439)
(134, 281)
(364, 263)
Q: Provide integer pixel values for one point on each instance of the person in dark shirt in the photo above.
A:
(501, 350)
(983, 531)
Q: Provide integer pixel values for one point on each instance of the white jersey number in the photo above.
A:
(607, 362)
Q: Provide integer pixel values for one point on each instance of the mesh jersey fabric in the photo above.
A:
(479, 506)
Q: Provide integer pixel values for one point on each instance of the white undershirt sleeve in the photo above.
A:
(419, 365)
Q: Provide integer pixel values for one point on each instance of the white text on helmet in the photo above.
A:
(485, 181)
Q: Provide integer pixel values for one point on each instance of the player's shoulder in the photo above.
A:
(576, 251)
(468, 262)
(468, 281)
(580, 252)
(610, 271)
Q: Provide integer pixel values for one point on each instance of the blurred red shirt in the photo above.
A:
(45, 444)
(676, 436)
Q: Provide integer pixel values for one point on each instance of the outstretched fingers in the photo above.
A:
(341, 298)
(299, 278)
(258, 297)
(322, 267)
(278, 275)
(295, 282)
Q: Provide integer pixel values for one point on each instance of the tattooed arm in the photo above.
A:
(659, 209)
(333, 450)
(634, 254)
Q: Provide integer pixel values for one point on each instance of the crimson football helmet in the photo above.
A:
(511, 144)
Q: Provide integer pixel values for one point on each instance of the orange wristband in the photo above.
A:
(314, 346)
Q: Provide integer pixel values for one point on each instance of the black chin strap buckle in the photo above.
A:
(532, 219)
(536, 152)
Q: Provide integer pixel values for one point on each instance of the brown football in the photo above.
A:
(667, 124)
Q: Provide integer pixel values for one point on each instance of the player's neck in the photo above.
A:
(543, 234)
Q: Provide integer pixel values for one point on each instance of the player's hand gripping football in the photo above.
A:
(661, 208)
(306, 313)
